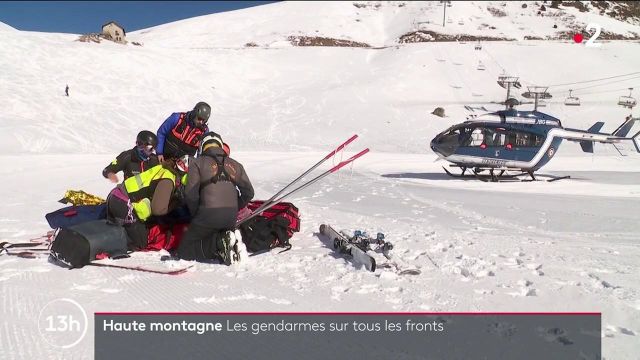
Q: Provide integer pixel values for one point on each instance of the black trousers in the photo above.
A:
(137, 232)
(199, 242)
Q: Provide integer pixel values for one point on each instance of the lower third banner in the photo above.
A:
(350, 336)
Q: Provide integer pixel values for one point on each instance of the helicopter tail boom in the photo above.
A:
(587, 146)
(593, 134)
(635, 140)
(623, 131)
(625, 127)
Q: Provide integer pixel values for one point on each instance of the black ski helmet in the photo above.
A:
(202, 110)
(146, 137)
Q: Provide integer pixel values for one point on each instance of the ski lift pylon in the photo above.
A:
(627, 101)
(572, 100)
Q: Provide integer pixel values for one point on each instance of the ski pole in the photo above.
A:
(340, 147)
(303, 186)
(328, 172)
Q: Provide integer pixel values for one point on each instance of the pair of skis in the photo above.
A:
(33, 250)
(357, 246)
(28, 250)
(342, 244)
(166, 266)
(278, 197)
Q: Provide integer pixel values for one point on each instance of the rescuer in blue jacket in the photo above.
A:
(180, 133)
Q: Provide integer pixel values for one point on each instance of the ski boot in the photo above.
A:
(227, 248)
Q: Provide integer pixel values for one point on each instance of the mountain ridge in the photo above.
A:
(383, 24)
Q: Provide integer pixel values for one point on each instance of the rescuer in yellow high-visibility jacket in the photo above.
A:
(149, 193)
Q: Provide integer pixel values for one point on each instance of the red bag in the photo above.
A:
(165, 237)
(283, 209)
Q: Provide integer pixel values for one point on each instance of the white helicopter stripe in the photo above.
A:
(573, 135)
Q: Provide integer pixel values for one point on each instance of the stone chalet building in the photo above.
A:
(114, 32)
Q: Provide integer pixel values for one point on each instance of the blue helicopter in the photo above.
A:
(510, 143)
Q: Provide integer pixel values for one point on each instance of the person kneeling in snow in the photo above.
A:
(134, 161)
(152, 192)
(218, 186)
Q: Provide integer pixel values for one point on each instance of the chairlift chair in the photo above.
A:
(481, 66)
(572, 100)
(478, 46)
(627, 101)
(504, 80)
(537, 91)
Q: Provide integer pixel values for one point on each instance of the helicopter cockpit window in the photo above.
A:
(458, 134)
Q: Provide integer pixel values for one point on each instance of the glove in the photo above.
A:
(112, 177)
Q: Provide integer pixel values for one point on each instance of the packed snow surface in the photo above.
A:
(565, 246)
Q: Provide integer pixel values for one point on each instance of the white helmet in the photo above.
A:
(209, 138)
(182, 163)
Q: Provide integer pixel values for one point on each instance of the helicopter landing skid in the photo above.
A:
(475, 174)
(551, 177)
(499, 175)
(493, 177)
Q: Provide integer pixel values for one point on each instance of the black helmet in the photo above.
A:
(202, 110)
(146, 137)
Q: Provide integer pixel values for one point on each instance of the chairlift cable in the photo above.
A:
(607, 83)
(594, 80)
(597, 92)
(598, 85)
(494, 60)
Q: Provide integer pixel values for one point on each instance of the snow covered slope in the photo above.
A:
(277, 97)
(5, 27)
(570, 245)
(379, 23)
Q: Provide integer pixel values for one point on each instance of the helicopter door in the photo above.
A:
(474, 143)
(476, 138)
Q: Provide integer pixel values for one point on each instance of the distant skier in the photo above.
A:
(134, 161)
(180, 133)
(66, 90)
(217, 187)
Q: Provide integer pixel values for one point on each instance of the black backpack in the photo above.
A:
(263, 234)
(77, 245)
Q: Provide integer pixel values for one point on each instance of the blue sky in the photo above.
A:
(80, 17)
